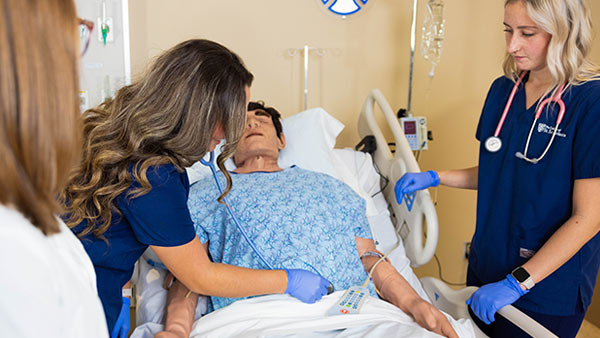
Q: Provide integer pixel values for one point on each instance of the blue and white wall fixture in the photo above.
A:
(344, 8)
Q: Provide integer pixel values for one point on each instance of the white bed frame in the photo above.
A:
(420, 244)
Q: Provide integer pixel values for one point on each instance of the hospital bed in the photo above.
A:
(281, 316)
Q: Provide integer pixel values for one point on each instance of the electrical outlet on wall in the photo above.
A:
(467, 250)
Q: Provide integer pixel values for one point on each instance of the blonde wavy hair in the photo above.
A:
(570, 24)
(166, 117)
(40, 126)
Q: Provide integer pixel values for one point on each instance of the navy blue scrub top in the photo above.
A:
(160, 218)
(520, 205)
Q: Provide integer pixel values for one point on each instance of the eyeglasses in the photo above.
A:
(85, 34)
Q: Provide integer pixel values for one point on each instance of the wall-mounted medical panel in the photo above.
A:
(106, 65)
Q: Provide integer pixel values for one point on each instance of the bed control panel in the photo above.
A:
(415, 130)
(350, 302)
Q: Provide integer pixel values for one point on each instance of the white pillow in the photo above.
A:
(310, 137)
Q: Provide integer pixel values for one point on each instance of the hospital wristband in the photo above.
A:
(371, 253)
(126, 292)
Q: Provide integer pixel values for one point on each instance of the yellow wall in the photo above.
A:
(363, 52)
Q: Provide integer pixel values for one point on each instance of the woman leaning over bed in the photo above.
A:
(130, 190)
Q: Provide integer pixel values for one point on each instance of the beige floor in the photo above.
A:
(588, 330)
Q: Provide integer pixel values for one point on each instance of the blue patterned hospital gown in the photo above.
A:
(296, 218)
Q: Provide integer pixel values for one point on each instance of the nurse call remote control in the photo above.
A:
(350, 302)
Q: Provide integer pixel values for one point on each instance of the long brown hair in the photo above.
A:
(39, 108)
(165, 117)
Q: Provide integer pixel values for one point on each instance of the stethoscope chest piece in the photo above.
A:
(493, 144)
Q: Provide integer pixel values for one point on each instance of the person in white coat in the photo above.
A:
(48, 284)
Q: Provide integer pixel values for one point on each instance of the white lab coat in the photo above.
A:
(47, 283)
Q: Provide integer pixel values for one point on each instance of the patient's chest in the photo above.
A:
(296, 219)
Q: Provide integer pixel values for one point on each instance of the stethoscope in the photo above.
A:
(493, 143)
(211, 165)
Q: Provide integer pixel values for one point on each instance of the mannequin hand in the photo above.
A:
(490, 298)
(305, 285)
(411, 182)
(121, 328)
(430, 318)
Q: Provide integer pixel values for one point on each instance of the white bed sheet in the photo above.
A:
(284, 316)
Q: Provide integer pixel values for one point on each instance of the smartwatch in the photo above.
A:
(523, 277)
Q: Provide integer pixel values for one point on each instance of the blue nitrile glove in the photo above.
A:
(121, 329)
(490, 298)
(411, 182)
(305, 285)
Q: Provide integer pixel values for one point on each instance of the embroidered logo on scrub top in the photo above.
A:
(526, 253)
(344, 7)
(546, 129)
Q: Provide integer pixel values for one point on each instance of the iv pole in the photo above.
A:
(306, 50)
(413, 38)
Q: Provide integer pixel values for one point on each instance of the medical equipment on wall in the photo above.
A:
(211, 165)
(106, 66)
(105, 23)
(493, 143)
(433, 33)
(306, 54)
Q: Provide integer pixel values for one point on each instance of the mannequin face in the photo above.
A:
(260, 138)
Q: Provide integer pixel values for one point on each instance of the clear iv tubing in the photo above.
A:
(211, 165)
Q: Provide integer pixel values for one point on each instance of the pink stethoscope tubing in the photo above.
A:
(493, 143)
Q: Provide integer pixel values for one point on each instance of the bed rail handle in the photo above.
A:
(393, 166)
(525, 323)
(453, 302)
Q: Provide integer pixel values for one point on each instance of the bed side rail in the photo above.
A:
(453, 302)
(393, 166)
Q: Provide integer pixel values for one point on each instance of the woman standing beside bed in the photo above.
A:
(536, 242)
(47, 282)
(130, 190)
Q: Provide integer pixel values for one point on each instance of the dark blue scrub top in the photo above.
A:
(160, 218)
(520, 205)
